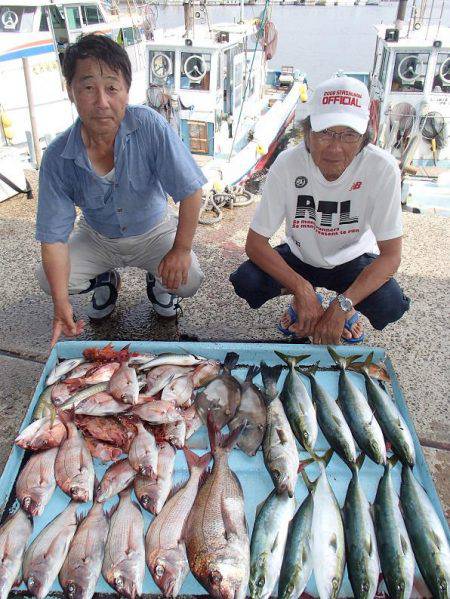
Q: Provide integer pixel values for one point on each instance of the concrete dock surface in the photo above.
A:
(417, 345)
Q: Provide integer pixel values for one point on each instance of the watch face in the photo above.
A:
(345, 303)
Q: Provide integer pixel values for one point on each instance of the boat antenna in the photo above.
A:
(258, 36)
(401, 11)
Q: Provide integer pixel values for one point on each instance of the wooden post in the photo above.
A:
(34, 131)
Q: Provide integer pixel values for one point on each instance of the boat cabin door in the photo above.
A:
(58, 27)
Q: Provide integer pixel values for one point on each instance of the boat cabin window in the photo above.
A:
(195, 70)
(43, 25)
(131, 36)
(384, 66)
(162, 67)
(441, 81)
(410, 70)
(15, 19)
(91, 15)
(73, 17)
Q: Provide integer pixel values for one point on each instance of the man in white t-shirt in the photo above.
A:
(339, 197)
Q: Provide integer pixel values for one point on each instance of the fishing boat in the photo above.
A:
(33, 37)
(212, 83)
(410, 103)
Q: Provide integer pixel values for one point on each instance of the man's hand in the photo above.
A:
(174, 268)
(309, 311)
(328, 330)
(64, 323)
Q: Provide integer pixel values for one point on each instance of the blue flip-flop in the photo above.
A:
(293, 316)
(348, 325)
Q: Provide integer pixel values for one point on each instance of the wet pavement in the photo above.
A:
(417, 345)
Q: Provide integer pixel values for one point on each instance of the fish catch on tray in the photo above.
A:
(135, 412)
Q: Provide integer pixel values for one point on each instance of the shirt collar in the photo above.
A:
(75, 148)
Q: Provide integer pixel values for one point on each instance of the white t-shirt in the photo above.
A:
(331, 222)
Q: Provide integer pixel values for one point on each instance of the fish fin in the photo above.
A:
(333, 542)
(232, 527)
(258, 508)
(252, 372)
(302, 465)
(390, 462)
(369, 545)
(405, 545)
(310, 485)
(195, 461)
(292, 360)
(304, 556)
(312, 370)
(282, 435)
(342, 361)
(66, 416)
(274, 544)
(360, 460)
(436, 540)
(337, 421)
(231, 359)
(216, 439)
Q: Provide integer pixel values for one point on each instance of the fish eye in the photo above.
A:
(335, 583)
(30, 582)
(159, 570)
(401, 585)
(365, 586)
(71, 589)
(306, 435)
(260, 582)
(119, 581)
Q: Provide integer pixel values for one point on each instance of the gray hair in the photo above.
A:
(306, 128)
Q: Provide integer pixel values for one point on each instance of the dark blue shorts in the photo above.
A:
(386, 304)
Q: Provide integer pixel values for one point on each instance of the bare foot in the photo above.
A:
(356, 329)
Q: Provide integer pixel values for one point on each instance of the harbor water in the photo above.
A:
(318, 40)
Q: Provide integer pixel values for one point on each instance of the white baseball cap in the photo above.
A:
(340, 101)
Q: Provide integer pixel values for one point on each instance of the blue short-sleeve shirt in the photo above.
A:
(150, 161)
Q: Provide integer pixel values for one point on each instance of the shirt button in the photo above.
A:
(119, 209)
(123, 229)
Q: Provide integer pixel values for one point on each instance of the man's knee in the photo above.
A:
(76, 285)
(250, 282)
(195, 279)
(388, 306)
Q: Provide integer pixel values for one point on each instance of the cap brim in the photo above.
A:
(320, 122)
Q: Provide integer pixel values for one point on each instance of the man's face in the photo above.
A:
(100, 96)
(331, 154)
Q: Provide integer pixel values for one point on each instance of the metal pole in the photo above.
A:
(34, 131)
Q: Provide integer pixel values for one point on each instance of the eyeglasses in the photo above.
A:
(346, 137)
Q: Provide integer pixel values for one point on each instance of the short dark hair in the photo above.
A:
(100, 47)
(306, 128)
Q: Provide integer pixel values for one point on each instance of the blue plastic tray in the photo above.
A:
(252, 473)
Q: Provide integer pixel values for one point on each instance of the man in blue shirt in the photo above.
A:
(117, 164)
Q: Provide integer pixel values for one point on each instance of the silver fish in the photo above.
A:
(427, 535)
(61, 369)
(36, 482)
(82, 566)
(328, 544)
(124, 562)
(279, 447)
(173, 359)
(268, 542)
(46, 554)
(14, 535)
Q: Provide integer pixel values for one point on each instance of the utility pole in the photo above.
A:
(34, 131)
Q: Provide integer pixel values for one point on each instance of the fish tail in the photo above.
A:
(342, 361)
(231, 359)
(270, 376)
(217, 440)
(390, 462)
(312, 370)
(252, 372)
(196, 461)
(355, 467)
(292, 361)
